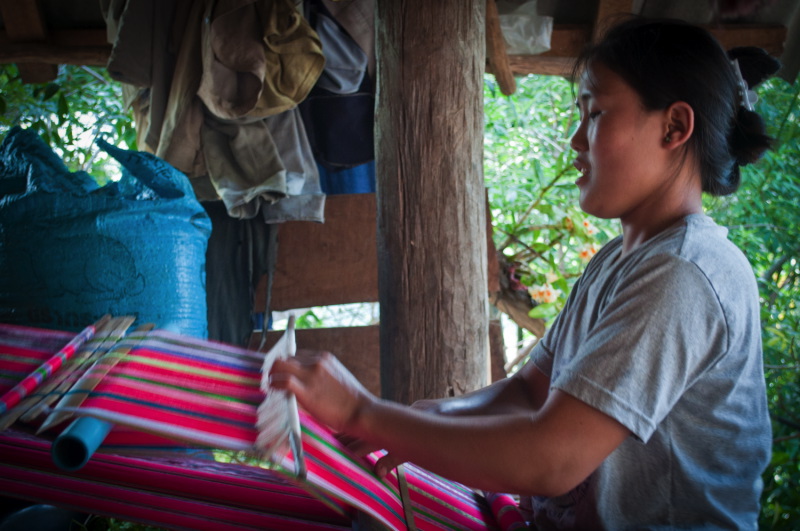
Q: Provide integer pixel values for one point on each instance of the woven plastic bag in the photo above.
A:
(72, 251)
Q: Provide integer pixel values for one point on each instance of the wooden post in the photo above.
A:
(431, 211)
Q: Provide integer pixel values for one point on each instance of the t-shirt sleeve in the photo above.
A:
(658, 333)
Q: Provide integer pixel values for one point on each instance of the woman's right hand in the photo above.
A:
(324, 388)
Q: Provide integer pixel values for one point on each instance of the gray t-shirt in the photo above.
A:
(667, 341)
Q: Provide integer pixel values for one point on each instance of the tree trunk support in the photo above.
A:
(431, 201)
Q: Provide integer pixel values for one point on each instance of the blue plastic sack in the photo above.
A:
(72, 251)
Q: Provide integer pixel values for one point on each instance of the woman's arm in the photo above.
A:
(526, 390)
(546, 452)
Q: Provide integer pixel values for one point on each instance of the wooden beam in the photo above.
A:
(53, 55)
(568, 41)
(496, 55)
(76, 47)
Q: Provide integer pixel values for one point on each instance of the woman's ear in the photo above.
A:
(679, 122)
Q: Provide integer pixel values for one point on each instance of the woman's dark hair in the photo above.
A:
(666, 61)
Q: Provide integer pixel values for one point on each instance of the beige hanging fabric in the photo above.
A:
(222, 68)
(260, 58)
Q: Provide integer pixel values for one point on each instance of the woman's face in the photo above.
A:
(619, 146)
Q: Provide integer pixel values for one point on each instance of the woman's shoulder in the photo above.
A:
(697, 238)
(707, 245)
(700, 247)
(696, 250)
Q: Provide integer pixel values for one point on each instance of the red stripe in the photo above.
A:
(184, 492)
(212, 408)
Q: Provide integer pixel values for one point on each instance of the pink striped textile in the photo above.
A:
(177, 491)
(506, 512)
(166, 391)
(15, 338)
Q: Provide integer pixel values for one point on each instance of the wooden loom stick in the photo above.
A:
(103, 340)
(86, 384)
(52, 388)
(12, 397)
(408, 509)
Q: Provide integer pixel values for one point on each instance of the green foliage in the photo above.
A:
(540, 230)
(764, 221)
(69, 114)
(539, 227)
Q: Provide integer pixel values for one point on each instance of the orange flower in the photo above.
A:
(588, 252)
(544, 293)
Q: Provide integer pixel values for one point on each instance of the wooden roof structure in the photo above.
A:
(431, 243)
(41, 34)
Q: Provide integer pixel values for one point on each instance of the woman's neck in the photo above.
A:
(668, 211)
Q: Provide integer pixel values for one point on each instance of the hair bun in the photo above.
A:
(755, 63)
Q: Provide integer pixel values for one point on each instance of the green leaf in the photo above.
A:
(542, 311)
(63, 105)
(50, 90)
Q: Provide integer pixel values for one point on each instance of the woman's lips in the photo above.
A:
(584, 171)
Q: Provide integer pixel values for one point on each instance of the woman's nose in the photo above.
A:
(578, 141)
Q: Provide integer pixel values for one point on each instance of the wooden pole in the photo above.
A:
(496, 51)
(431, 211)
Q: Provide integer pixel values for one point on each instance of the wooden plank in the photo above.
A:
(431, 219)
(356, 347)
(321, 264)
(496, 55)
(336, 262)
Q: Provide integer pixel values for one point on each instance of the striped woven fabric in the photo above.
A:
(29, 356)
(160, 389)
(175, 491)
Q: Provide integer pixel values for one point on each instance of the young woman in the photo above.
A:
(644, 405)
